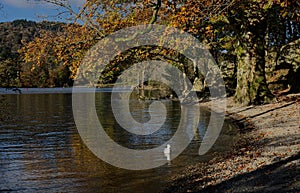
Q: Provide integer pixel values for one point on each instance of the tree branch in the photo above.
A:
(66, 5)
(297, 41)
(152, 21)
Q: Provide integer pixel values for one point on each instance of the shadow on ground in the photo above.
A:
(282, 176)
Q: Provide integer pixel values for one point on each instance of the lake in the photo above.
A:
(41, 150)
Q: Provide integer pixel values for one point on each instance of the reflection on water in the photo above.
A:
(40, 149)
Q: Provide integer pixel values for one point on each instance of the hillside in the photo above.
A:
(13, 35)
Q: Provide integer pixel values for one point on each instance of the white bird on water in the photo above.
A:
(167, 150)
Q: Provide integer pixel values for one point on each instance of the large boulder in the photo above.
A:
(284, 72)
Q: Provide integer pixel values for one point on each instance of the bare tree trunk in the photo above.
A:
(252, 86)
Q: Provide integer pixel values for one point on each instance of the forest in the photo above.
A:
(255, 43)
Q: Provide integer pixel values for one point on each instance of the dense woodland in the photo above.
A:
(14, 72)
(256, 43)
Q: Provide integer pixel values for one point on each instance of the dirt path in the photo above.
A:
(265, 159)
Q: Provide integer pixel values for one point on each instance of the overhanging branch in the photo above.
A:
(156, 8)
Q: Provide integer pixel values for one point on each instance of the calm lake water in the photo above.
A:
(41, 150)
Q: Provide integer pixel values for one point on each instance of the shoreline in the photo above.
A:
(57, 90)
(266, 158)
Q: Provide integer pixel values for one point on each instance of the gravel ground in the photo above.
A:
(266, 158)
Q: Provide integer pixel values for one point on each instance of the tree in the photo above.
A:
(249, 19)
(243, 25)
(244, 28)
(110, 16)
(253, 23)
(9, 73)
(53, 58)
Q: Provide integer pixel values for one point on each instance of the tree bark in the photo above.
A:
(252, 86)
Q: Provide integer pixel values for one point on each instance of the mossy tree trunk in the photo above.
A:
(252, 86)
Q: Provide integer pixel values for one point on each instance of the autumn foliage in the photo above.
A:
(236, 31)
